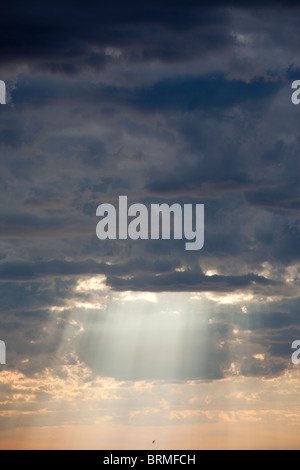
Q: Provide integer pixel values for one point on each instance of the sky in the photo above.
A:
(113, 344)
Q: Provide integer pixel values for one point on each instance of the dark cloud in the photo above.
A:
(46, 39)
(35, 270)
(209, 92)
(24, 225)
(166, 103)
(67, 38)
(188, 281)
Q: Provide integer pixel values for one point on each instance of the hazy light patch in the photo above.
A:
(98, 303)
(259, 357)
(113, 52)
(266, 270)
(232, 299)
(243, 39)
(234, 369)
(137, 297)
(58, 309)
(196, 297)
(246, 396)
(211, 272)
(145, 412)
(93, 283)
(89, 294)
(170, 312)
(292, 274)
(232, 416)
(88, 306)
(185, 415)
(77, 326)
(182, 269)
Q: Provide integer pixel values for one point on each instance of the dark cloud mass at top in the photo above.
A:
(163, 102)
(60, 36)
(67, 38)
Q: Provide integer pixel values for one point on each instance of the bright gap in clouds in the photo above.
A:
(150, 363)
(126, 338)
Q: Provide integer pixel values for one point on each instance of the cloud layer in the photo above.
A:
(162, 103)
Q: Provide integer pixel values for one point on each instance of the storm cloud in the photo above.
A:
(165, 103)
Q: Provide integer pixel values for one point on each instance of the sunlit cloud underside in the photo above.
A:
(170, 367)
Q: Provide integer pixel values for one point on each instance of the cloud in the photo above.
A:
(164, 103)
(188, 281)
(66, 45)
